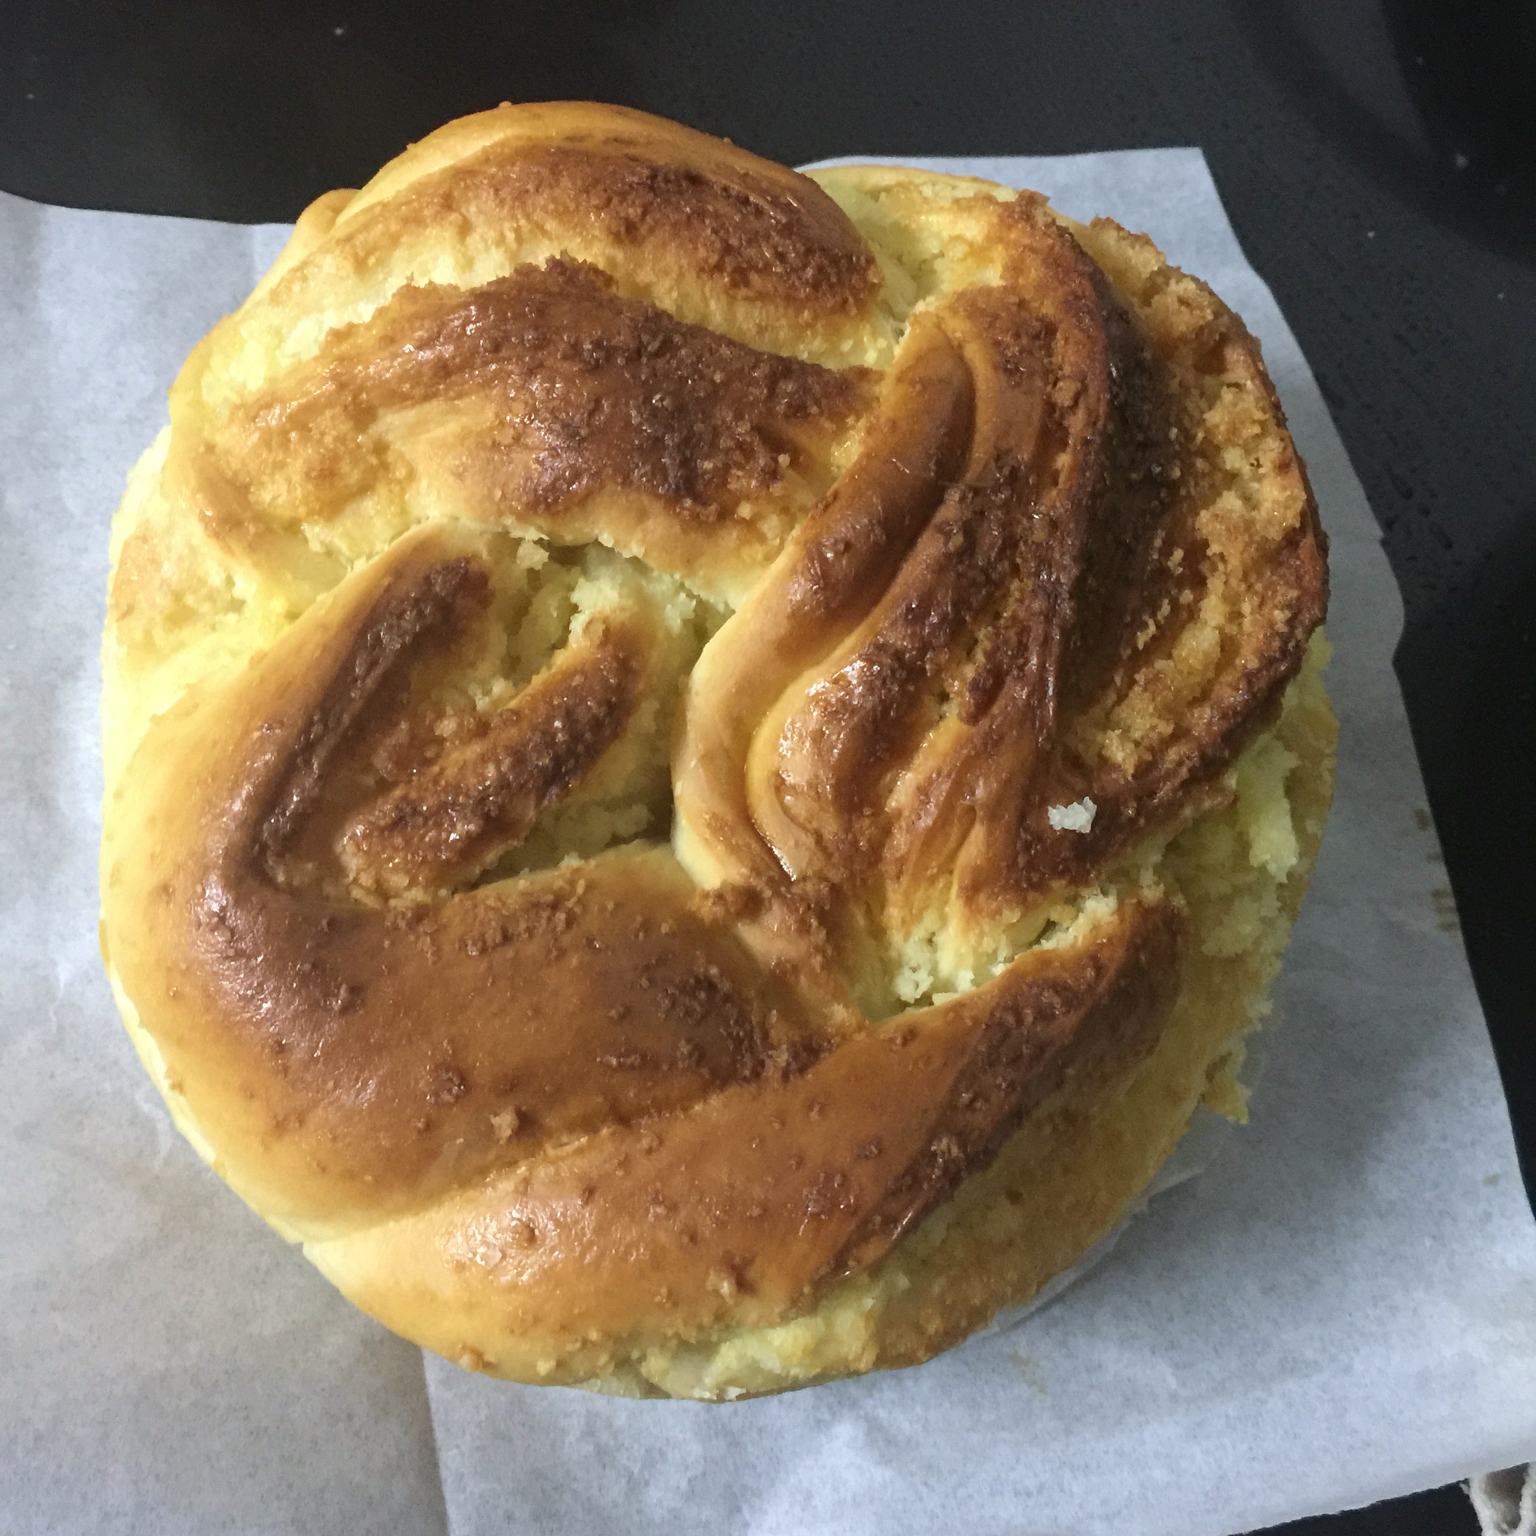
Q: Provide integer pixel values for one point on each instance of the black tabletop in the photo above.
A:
(1377, 158)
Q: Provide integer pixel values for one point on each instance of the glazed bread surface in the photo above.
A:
(705, 765)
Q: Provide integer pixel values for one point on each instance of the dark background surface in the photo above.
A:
(1377, 157)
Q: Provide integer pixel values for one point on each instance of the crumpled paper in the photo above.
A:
(1342, 1308)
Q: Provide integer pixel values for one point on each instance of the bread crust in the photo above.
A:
(705, 767)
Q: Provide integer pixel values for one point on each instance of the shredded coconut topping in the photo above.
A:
(1077, 817)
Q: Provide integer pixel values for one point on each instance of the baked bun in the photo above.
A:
(705, 765)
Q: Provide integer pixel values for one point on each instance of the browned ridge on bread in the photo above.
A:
(647, 703)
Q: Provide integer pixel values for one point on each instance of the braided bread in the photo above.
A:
(704, 766)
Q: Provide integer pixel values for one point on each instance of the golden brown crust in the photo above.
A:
(1037, 541)
(766, 1193)
(738, 222)
(533, 392)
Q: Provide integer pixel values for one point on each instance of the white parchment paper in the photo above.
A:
(1342, 1308)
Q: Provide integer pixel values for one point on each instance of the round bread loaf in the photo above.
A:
(704, 765)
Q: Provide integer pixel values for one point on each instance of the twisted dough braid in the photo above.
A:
(654, 708)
